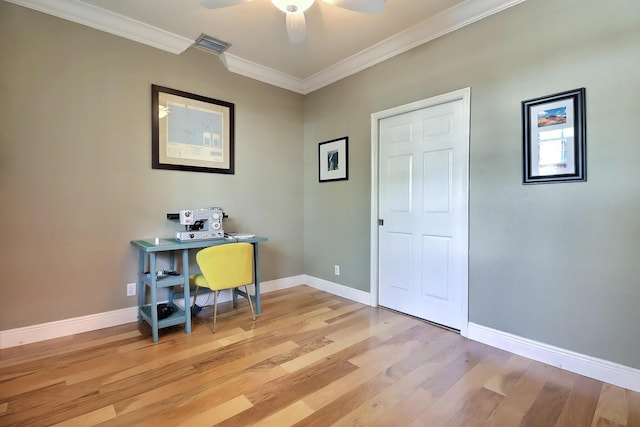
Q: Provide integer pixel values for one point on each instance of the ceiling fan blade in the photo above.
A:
(217, 4)
(366, 6)
(296, 27)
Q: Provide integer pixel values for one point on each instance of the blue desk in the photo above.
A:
(148, 249)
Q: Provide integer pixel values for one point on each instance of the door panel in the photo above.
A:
(400, 183)
(435, 266)
(436, 177)
(398, 253)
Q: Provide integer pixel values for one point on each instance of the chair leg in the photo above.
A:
(195, 308)
(215, 309)
(253, 313)
(195, 297)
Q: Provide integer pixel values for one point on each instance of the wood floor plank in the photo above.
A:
(508, 375)
(368, 380)
(76, 400)
(280, 392)
(91, 418)
(392, 406)
(28, 383)
(218, 414)
(604, 422)
(464, 383)
(581, 407)
(273, 325)
(513, 408)
(311, 358)
(288, 416)
(634, 409)
(354, 397)
(138, 366)
(613, 406)
(454, 368)
(47, 350)
(176, 408)
(342, 340)
(477, 408)
(395, 410)
(550, 403)
(200, 382)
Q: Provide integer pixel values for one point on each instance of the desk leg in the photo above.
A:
(154, 296)
(187, 297)
(172, 268)
(256, 269)
(141, 262)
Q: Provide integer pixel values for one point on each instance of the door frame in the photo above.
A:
(465, 96)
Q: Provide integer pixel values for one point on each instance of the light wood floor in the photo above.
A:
(311, 359)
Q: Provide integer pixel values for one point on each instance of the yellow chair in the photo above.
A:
(227, 266)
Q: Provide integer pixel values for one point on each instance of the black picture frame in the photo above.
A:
(554, 138)
(333, 160)
(191, 132)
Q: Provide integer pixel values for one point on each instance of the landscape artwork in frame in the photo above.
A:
(191, 132)
(554, 138)
(333, 160)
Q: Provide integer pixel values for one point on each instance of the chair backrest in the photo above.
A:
(227, 266)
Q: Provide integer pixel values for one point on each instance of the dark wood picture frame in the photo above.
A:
(554, 138)
(191, 132)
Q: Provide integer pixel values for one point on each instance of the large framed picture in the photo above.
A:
(554, 138)
(333, 160)
(191, 132)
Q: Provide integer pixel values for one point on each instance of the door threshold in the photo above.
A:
(438, 325)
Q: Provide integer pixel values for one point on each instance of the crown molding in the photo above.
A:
(430, 29)
(104, 20)
(253, 70)
(443, 23)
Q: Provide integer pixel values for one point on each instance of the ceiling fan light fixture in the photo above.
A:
(292, 6)
(296, 27)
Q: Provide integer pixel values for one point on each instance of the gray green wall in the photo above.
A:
(76, 182)
(554, 263)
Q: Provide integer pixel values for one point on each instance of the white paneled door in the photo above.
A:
(423, 209)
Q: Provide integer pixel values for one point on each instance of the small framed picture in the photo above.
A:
(554, 138)
(333, 160)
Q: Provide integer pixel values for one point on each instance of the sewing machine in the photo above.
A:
(201, 224)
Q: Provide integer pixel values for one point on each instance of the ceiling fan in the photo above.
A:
(294, 9)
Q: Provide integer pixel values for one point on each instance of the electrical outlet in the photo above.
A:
(336, 270)
(131, 289)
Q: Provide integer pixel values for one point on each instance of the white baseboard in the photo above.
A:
(592, 367)
(62, 328)
(279, 284)
(339, 290)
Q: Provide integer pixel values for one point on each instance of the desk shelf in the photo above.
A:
(164, 281)
(176, 318)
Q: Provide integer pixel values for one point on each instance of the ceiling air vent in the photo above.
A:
(210, 44)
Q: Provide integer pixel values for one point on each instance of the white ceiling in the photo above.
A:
(339, 42)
